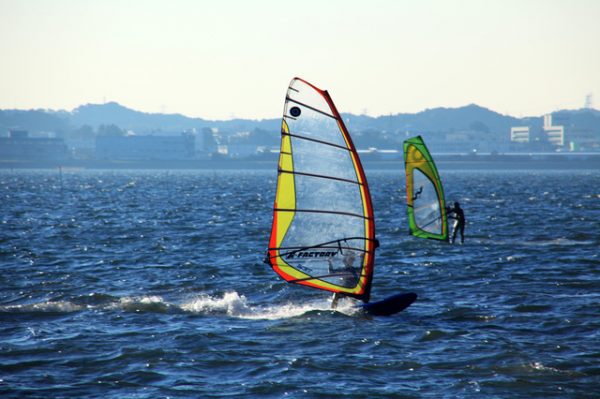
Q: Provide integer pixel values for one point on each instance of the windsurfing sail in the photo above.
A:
(323, 232)
(424, 192)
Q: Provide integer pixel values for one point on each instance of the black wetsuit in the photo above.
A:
(459, 215)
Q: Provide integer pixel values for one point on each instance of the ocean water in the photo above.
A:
(150, 284)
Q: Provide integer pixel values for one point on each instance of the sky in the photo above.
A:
(227, 59)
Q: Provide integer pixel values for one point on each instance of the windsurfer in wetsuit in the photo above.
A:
(349, 276)
(458, 214)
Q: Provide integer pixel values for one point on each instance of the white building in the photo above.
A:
(555, 134)
(519, 134)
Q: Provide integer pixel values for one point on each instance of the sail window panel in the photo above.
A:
(316, 158)
(310, 229)
(314, 193)
(300, 92)
(316, 126)
(426, 205)
(323, 245)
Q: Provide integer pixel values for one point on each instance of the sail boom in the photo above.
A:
(286, 254)
(317, 277)
(339, 241)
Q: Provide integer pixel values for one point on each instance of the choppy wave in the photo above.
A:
(150, 285)
(230, 304)
(557, 242)
(43, 307)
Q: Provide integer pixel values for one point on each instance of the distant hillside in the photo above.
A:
(128, 119)
(33, 120)
(470, 117)
(112, 113)
(437, 120)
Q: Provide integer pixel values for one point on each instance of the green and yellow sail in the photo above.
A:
(424, 193)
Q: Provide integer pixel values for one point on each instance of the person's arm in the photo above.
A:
(330, 268)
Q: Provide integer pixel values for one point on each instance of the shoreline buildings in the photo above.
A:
(549, 134)
(20, 146)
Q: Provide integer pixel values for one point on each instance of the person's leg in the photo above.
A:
(334, 302)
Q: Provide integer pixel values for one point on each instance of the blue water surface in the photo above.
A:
(150, 284)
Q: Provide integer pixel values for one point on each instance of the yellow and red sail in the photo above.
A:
(323, 232)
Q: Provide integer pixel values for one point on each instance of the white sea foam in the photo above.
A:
(144, 303)
(558, 241)
(538, 366)
(146, 300)
(141, 303)
(228, 303)
(47, 306)
(236, 305)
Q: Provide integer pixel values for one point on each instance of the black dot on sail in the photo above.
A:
(295, 112)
